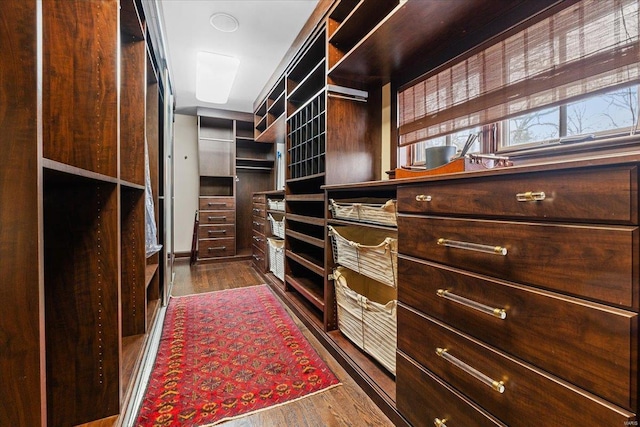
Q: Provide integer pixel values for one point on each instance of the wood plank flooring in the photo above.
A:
(346, 405)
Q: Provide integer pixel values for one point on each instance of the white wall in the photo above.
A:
(187, 180)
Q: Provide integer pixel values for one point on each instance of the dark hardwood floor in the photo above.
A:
(346, 405)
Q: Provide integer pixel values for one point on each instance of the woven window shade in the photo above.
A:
(590, 47)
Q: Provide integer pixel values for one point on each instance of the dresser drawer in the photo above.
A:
(422, 399)
(259, 210)
(259, 240)
(217, 217)
(596, 195)
(216, 231)
(528, 394)
(258, 224)
(548, 330)
(259, 198)
(217, 203)
(212, 248)
(593, 262)
(259, 259)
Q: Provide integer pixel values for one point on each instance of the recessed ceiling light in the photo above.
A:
(214, 76)
(224, 22)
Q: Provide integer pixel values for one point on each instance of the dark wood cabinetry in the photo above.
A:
(81, 294)
(232, 166)
(500, 294)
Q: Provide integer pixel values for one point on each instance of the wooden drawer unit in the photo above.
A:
(514, 392)
(217, 203)
(594, 262)
(217, 217)
(212, 248)
(259, 198)
(526, 322)
(216, 231)
(545, 196)
(426, 401)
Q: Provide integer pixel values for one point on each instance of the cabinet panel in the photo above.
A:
(422, 398)
(548, 196)
(528, 393)
(548, 330)
(592, 262)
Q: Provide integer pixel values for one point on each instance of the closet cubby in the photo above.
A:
(87, 297)
(269, 117)
(351, 21)
(80, 221)
(78, 87)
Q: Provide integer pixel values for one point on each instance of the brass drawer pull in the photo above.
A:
(257, 239)
(530, 196)
(257, 258)
(495, 385)
(219, 248)
(440, 422)
(211, 218)
(423, 198)
(257, 223)
(216, 204)
(500, 313)
(210, 232)
(497, 250)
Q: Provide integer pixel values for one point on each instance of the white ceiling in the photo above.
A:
(267, 30)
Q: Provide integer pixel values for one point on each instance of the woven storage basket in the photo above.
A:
(372, 253)
(277, 226)
(367, 315)
(375, 213)
(276, 205)
(276, 257)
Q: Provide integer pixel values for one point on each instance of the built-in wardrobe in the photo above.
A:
(85, 207)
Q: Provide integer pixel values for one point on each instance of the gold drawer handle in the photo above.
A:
(440, 422)
(210, 232)
(495, 385)
(219, 248)
(531, 196)
(216, 204)
(500, 313)
(211, 218)
(257, 239)
(496, 250)
(423, 198)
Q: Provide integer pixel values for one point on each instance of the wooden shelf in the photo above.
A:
(395, 48)
(305, 219)
(308, 261)
(303, 237)
(361, 224)
(149, 272)
(275, 132)
(305, 197)
(69, 172)
(308, 289)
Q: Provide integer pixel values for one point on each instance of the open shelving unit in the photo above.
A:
(81, 294)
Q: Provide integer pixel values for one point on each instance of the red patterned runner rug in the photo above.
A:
(226, 354)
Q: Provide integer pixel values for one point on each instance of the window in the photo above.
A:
(573, 73)
(608, 114)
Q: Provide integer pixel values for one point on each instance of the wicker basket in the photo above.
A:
(372, 253)
(276, 205)
(276, 257)
(367, 315)
(277, 226)
(375, 213)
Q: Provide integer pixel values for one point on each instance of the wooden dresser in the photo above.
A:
(518, 297)
(262, 227)
(217, 227)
